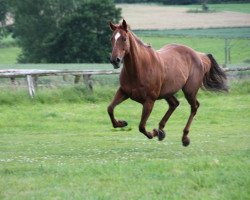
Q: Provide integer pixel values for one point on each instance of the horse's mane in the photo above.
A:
(139, 41)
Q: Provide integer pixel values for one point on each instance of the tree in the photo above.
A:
(84, 36)
(3, 13)
(62, 30)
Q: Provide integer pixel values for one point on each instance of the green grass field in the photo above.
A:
(61, 144)
(67, 149)
(240, 51)
(8, 55)
(234, 32)
(244, 7)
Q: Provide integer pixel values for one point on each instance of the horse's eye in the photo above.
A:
(124, 39)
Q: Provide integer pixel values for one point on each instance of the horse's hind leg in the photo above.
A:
(191, 98)
(173, 104)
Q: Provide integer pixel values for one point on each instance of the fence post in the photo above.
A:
(77, 79)
(88, 81)
(31, 85)
(227, 50)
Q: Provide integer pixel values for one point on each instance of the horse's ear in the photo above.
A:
(112, 26)
(124, 25)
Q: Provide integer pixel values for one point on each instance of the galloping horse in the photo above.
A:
(149, 75)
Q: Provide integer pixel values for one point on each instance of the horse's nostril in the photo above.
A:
(118, 60)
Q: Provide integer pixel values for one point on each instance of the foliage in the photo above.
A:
(70, 151)
(45, 28)
(83, 36)
(3, 12)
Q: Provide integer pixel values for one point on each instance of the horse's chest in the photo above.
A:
(136, 93)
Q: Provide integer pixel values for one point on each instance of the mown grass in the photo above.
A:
(233, 32)
(240, 7)
(239, 47)
(8, 55)
(67, 149)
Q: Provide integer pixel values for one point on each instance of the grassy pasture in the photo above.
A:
(244, 7)
(61, 144)
(59, 150)
(8, 55)
(240, 52)
(233, 32)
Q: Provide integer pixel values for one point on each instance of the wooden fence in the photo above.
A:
(32, 75)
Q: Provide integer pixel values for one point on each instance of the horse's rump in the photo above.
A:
(182, 65)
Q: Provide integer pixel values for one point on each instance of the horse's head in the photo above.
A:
(120, 43)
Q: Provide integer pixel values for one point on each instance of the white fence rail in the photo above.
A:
(33, 74)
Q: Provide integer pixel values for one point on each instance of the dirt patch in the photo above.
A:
(169, 17)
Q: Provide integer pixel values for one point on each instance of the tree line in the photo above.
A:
(62, 31)
(67, 31)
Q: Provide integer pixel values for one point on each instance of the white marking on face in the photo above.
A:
(117, 35)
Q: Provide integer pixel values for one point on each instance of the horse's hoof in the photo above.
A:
(120, 124)
(185, 141)
(125, 123)
(161, 135)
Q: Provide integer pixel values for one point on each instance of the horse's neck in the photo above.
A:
(133, 60)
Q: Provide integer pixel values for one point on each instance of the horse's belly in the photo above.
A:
(173, 84)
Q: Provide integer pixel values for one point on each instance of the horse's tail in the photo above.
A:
(215, 79)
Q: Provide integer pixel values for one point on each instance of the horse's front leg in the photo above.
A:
(147, 109)
(119, 97)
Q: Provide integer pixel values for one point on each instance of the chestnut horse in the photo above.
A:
(149, 75)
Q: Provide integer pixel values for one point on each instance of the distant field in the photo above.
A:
(143, 16)
(243, 8)
(233, 32)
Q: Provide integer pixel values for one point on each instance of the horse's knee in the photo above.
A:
(110, 109)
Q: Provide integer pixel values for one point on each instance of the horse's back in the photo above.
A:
(181, 63)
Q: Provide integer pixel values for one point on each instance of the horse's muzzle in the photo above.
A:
(116, 62)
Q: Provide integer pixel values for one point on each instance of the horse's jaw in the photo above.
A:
(117, 66)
